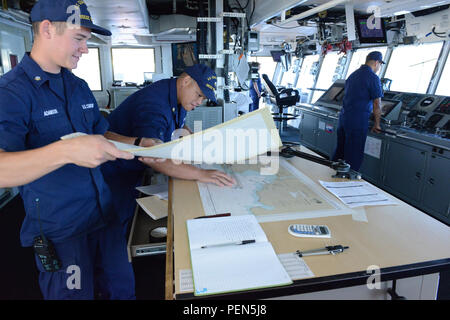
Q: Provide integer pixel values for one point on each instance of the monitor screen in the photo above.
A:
(183, 55)
(334, 95)
(371, 30)
(387, 106)
(276, 55)
(390, 109)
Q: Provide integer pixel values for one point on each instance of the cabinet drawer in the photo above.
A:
(140, 242)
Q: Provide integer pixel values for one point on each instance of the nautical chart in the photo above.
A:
(286, 195)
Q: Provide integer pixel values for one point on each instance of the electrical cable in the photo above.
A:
(438, 34)
(253, 10)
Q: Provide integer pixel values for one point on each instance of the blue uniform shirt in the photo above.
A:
(361, 88)
(152, 112)
(34, 112)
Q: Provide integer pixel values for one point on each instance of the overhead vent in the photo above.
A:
(172, 24)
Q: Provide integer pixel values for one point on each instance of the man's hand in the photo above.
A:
(217, 177)
(150, 142)
(188, 172)
(376, 128)
(188, 129)
(150, 160)
(92, 150)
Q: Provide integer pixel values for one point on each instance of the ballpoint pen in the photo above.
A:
(215, 216)
(229, 243)
(327, 250)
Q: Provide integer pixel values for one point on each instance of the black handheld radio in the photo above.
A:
(44, 249)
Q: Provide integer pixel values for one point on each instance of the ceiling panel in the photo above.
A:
(123, 17)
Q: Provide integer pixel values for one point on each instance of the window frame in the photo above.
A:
(296, 64)
(313, 85)
(130, 47)
(375, 48)
(255, 59)
(337, 53)
(99, 69)
(445, 63)
(392, 50)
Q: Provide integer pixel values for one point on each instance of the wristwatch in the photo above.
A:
(137, 141)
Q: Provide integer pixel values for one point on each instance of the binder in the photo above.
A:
(230, 254)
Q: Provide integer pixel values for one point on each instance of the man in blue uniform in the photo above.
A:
(363, 93)
(69, 217)
(155, 112)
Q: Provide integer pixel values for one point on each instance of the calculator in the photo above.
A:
(309, 231)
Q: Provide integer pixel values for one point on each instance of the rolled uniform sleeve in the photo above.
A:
(14, 119)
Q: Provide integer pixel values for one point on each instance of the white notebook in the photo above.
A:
(221, 265)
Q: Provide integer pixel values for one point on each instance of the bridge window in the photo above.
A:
(289, 76)
(88, 69)
(412, 66)
(359, 58)
(266, 65)
(326, 75)
(129, 64)
(307, 76)
(443, 87)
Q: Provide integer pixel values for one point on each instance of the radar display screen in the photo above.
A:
(387, 106)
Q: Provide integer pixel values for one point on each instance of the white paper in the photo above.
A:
(233, 141)
(73, 135)
(233, 267)
(186, 284)
(159, 190)
(241, 99)
(357, 193)
(295, 266)
(226, 269)
(211, 231)
(373, 147)
(321, 125)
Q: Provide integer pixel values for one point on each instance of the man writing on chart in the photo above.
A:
(155, 112)
(69, 219)
(363, 93)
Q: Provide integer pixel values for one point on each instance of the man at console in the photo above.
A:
(363, 93)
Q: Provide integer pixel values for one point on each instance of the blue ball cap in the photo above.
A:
(71, 11)
(205, 78)
(376, 56)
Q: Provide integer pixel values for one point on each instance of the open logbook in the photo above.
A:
(232, 254)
